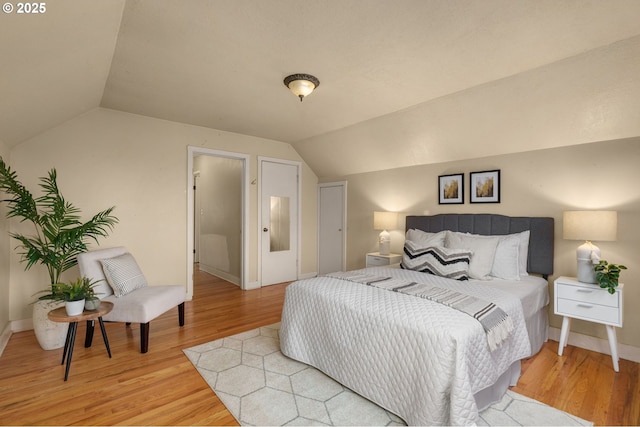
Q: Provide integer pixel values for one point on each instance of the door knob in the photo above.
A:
(265, 229)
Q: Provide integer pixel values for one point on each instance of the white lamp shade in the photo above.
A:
(385, 220)
(590, 225)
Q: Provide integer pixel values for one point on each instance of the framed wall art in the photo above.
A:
(485, 186)
(451, 189)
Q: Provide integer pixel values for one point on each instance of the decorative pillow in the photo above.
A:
(437, 260)
(482, 247)
(424, 238)
(506, 260)
(123, 274)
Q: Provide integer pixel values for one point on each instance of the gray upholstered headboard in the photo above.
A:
(540, 241)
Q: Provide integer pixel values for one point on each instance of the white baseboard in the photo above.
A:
(251, 285)
(600, 345)
(4, 338)
(22, 325)
(256, 285)
(219, 273)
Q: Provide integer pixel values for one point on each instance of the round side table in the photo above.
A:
(60, 315)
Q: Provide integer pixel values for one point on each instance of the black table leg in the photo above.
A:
(88, 336)
(104, 336)
(73, 327)
(66, 345)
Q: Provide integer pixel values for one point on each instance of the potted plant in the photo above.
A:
(92, 302)
(58, 237)
(74, 294)
(607, 275)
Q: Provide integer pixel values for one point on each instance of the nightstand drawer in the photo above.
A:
(592, 294)
(588, 311)
(373, 260)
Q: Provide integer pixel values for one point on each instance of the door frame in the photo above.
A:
(298, 166)
(342, 184)
(245, 158)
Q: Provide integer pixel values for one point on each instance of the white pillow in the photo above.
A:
(424, 238)
(123, 274)
(506, 260)
(483, 248)
(523, 251)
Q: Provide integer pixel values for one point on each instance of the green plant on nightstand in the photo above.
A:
(607, 275)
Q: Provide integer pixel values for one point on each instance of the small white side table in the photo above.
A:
(375, 259)
(587, 301)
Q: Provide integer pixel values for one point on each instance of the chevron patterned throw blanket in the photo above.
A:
(496, 323)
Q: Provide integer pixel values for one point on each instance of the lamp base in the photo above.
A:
(588, 254)
(586, 274)
(384, 243)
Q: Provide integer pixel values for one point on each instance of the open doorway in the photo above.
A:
(217, 217)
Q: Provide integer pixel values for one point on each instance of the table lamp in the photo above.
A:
(588, 226)
(385, 221)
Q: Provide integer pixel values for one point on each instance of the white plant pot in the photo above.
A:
(74, 308)
(50, 335)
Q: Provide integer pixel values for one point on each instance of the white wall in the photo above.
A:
(537, 183)
(139, 164)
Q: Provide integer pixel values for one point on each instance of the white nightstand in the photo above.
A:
(374, 259)
(590, 302)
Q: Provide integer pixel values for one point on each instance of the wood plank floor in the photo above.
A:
(162, 387)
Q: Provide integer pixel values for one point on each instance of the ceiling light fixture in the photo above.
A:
(301, 84)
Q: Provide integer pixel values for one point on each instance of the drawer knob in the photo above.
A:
(585, 305)
(585, 291)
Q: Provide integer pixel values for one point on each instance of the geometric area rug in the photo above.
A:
(262, 387)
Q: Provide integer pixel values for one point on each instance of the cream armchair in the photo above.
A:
(122, 283)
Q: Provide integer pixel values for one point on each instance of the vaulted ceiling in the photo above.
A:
(220, 63)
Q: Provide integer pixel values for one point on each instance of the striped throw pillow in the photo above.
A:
(437, 260)
(123, 274)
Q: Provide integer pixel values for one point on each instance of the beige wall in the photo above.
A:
(139, 164)
(537, 183)
(4, 255)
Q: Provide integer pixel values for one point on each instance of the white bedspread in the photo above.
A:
(417, 358)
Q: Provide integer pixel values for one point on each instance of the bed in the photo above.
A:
(415, 353)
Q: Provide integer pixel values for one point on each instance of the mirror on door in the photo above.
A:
(280, 221)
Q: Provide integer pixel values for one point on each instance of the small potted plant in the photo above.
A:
(607, 275)
(73, 294)
(92, 302)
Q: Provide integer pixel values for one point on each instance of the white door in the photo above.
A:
(331, 227)
(279, 221)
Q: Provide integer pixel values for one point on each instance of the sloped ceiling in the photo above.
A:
(54, 65)
(220, 63)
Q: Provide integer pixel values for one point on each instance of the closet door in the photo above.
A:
(332, 217)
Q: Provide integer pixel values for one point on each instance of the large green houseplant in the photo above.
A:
(58, 235)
